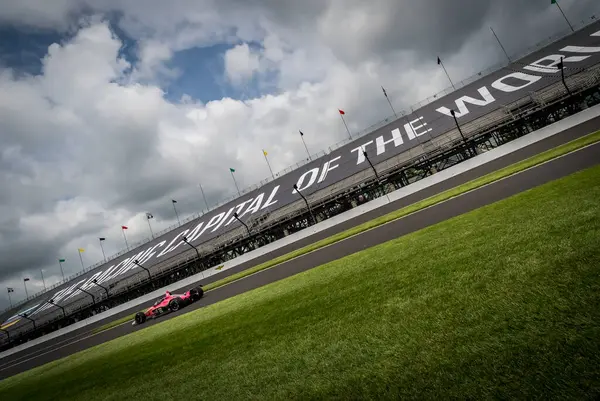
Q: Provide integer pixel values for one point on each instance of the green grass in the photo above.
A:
(469, 186)
(500, 303)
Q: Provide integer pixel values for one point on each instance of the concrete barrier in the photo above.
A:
(443, 175)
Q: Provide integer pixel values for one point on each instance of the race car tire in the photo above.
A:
(174, 305)
(140, 318)
(196, 293)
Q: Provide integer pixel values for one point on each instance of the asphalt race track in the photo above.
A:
(584, 158)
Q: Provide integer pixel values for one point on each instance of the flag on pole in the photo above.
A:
(301, 134)
(342, 112)
(232, 170)
(124, 227)
(62, 260)
(552, 1)
(384, 92)
(102, 239)
(173, 200)
(264, 152)
(25, 279)
(149, 216)
(10, 289)
(439, 61)
(81, 250)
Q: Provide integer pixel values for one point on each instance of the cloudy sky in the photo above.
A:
(110, 109)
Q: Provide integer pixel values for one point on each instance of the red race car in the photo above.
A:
(169, 303)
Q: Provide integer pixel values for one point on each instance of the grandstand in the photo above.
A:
(531, 111)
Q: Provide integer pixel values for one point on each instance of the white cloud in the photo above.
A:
(241, 63)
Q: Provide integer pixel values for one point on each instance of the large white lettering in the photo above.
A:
(396, 138)
(151, 252)
(549, 64)
(313, 176)
(106, 274)
(254, 206)
(412, 130)
(504, 87)
(168, 248)
(328, 167)
(213, 222)
(270, 201)
(238, 210)
(487, 98)
(580, 49)
(195, 233)
(223, 219)
(85, 282)
(362, 148)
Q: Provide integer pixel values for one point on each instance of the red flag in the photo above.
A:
(124, 227)
(341, 112)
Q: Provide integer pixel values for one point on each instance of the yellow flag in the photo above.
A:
(264, 152)
(81, 250)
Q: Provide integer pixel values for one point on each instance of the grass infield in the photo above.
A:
(501, 303)
(443, 196)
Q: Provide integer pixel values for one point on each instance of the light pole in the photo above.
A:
(24, 315)
(371, 164)
(51, 302)
(89, 293)
(43, 281)
(137, 263)
(197, 253)
(307, 205)
(457, 126)
(95, 281)
(561, 66)
(238, 219)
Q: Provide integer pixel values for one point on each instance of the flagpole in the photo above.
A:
(176, 214)
(235, 182)
(448, 75)
(388, 99)
(25, 285)
(61, 269)
(305, 147)
(124, 236)
(81, 259)
(347, 130)
(43, 281)
(500, 43)
(9, 298)
(203, 196)
(103, 254)
(149, 226)
(563, 14)
(268, 164)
